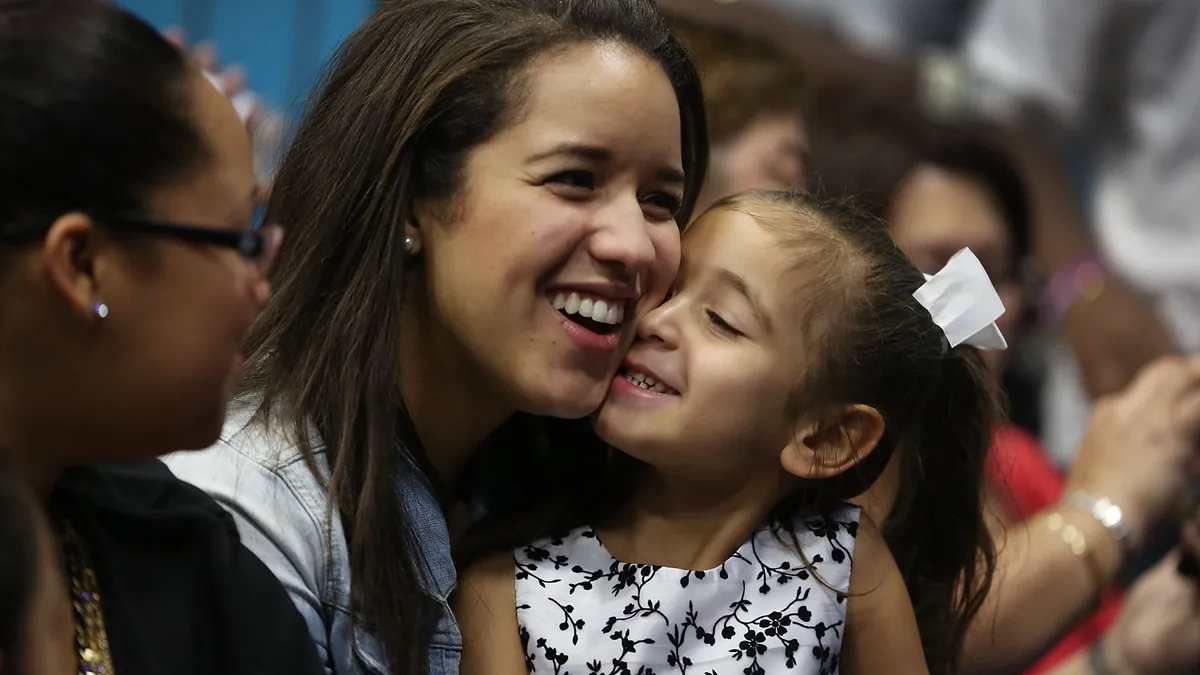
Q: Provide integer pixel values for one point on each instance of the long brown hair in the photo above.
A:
(407, 97)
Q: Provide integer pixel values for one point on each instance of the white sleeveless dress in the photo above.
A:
(762, 612)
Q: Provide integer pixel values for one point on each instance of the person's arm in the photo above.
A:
(881, 628)
(1040, 589)
(1157, 632)
(1042, 586)
(486, 610)
(273, 524)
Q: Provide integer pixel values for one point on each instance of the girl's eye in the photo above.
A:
(665, 206)
(584, 180)
(721, 324)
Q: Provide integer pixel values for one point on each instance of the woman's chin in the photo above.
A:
(576, 401)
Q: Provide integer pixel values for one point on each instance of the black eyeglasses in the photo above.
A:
(258, 245)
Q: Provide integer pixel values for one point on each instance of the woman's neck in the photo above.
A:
(686, 524)
(32, 449)
(451, 407)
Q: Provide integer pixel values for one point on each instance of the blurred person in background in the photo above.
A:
(269, 128)
(129, 276)
(942, 189)
(755, 97)
(1119, 75)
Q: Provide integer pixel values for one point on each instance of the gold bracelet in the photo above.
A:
(1074, 538)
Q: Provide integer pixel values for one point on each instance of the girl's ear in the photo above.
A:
(830, 445)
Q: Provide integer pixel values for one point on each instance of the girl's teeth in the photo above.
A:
(596, 310)
(646, 382)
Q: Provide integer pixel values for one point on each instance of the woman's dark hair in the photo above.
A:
(407, 97)
(879, 347)
(19, 564)
(95, 112)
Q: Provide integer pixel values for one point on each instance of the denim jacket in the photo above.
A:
(283, 516)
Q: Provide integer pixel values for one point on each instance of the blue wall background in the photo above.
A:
(282, 44)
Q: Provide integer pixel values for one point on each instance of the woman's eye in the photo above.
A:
(584, 180)
(721, 324)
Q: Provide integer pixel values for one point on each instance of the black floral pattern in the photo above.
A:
(767, 609)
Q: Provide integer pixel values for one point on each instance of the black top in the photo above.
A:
(181, 594)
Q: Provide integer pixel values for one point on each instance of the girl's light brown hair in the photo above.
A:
(874, 344)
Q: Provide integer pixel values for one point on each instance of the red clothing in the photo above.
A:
(1028, 483)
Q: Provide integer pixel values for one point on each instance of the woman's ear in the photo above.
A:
(833, 443)
(70, 261)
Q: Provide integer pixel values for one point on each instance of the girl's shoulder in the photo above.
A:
(821, 544)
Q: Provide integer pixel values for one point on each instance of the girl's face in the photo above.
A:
(563, 236)
(937, 213)
(713, 365)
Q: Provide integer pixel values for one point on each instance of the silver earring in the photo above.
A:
(100, 310)
(410, 244)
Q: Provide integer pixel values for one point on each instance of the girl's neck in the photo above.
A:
(451, 407)
(685, 524)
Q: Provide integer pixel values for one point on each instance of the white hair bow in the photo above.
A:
(963, 302)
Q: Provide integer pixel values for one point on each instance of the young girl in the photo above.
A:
(36, 631)
(798, 352)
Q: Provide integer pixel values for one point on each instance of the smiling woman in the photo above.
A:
(483, 199)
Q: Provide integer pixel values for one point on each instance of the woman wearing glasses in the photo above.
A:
(129, 274)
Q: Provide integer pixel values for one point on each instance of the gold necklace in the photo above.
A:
(91, 638)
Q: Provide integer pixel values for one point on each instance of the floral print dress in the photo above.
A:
(766, 610)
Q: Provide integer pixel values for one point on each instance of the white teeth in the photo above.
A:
(600, 311)
(646, 382)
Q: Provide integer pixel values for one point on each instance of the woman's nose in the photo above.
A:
(622, 237)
